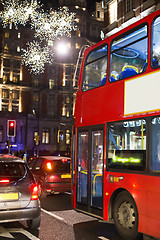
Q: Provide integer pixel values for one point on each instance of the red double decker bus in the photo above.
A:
(116, 135)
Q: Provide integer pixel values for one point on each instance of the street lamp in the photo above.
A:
(62, 48)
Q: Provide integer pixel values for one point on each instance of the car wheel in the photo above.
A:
(125, 216)
(34, 223)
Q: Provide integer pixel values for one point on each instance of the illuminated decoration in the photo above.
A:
(49, 26)
(36, 56)
(17, 12)
(125, 160)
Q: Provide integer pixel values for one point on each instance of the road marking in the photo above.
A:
(5, 232)
(67, 193)
(52, 214)
(103, 238)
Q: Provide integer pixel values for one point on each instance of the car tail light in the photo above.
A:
(4, 181)
(49, 165)
(51, 178)
(64, 160)
(34, 192)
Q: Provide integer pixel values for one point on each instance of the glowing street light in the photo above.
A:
(62, 48)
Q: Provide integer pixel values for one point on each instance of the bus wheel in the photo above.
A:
(125, 216)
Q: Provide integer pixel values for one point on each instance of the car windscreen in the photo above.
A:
(57, 166)
(12, 169)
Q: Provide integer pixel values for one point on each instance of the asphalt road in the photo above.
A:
(60, 222)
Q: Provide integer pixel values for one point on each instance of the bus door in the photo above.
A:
(90, 171)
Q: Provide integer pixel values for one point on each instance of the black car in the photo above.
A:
(18, 192)
(52, 173)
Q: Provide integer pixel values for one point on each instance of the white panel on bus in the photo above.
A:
(142, 94)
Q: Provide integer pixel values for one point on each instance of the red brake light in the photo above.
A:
(49, 165)
(34, 193)
(64, 160)
(4, 181)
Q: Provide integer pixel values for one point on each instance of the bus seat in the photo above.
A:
(144, 67)
(113, 78)
(154, 63)
(128, 71)
(103, 80)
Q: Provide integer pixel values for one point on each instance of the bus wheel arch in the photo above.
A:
(111, 202)
(125, 215)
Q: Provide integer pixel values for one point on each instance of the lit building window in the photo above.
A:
(36, 83)
(6, 77)
(113, 11)
(35, 97)
(51, 83)
(63, 110)
(67, 100)
(67, 113)
(77, 46)
(15, 78)
(78, 33)
(67, 136)
(6, 49)
(6, 35)
(18, 49)
(45, 136)
(19, 35)
(5, 93)
(36, 136)
(15, 94)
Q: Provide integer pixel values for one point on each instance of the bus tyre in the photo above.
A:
(125, 216)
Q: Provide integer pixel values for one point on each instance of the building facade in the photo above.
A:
(42, 105)
(122, 13)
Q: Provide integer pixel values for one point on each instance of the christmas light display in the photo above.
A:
(17, 12)
(46, 25)
(35, 57)
(51, 25)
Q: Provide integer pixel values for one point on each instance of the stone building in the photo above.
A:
(119, 14)
(42, 105)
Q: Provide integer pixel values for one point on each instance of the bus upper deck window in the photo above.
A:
(95, 70)
(156, 43)
(129, 54)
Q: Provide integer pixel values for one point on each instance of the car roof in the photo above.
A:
(53, 157)
(10, 158)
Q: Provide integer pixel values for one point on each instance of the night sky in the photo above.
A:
(91, 4)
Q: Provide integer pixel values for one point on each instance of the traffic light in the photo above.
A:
(11, 128)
